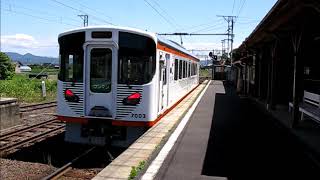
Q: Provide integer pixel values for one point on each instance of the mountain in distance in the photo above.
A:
(31, 59)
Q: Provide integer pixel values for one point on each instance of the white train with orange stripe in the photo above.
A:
(115, 82)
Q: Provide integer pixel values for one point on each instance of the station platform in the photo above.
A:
(214, 134)
(229, 137)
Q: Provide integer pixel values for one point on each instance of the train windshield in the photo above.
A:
(71, 57)
(137, 59)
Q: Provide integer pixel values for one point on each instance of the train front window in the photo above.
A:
(137, 59)
(100, 70)
(71, 57)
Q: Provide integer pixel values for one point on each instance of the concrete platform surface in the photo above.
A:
(186, 158)
(230, 137)
(141, 150)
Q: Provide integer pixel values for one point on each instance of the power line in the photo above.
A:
(39, 12)
(234, 1)
(198, 26)
(163, 10)
(241, 7)
(81, 11)
(215, 26)
(94, 10)
(160, 14)
(193, 34)
(37, 17)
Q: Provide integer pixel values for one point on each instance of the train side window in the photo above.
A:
(189, 69)
(165, 76)
(180, 69)
(196, 69)
(176, 69)
(184, 69)
(193, 69)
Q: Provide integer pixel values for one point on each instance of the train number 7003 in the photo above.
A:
(138, 115)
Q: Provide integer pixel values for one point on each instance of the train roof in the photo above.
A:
(110, 27)
(154, 36)
(175, 45)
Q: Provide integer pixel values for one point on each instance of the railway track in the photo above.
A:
(23, 137)
(32, 107)
(64, 169)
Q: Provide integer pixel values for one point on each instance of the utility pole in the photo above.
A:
(85, 18)
(223, 46)
(230, 21)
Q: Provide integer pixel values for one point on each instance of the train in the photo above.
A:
(116, 82)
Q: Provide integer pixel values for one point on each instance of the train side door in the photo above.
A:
(163, 85)
(99, 78)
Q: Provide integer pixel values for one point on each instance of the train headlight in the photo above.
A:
(133, 99)
(70, 96)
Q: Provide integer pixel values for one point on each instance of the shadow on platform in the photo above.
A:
(247, 143)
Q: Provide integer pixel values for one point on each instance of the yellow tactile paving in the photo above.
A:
(142, 149)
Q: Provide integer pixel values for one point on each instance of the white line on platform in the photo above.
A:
(157, 162)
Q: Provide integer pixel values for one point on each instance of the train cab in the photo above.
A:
(114, 83)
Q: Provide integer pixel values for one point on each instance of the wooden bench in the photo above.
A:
(310, 106)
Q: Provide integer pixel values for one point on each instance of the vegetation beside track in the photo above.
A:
(205, 72)
(28, 90)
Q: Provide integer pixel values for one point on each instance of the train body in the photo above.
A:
(115, 82)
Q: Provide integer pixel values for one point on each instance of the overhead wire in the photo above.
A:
(38, 17)
(201, 25)
(15, 6)
(164, 11)
(234, 1)
(240, 8)
(163, 17)
(216, 26)
(81, 11)
(93, 10)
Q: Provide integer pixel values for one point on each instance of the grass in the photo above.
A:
(205, 72)
(47, 70)
(135, 170)
(28, 90)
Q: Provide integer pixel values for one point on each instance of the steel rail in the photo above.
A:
(25, 129)
(61, 171)
(5, 149)
(33, 107)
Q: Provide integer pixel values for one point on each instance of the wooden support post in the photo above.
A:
(269, 63)
(297, 78)
(260, 74)
(273, 75)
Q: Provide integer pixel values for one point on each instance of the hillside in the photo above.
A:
(31, 59)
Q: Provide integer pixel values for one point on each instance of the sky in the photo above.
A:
(32, 26)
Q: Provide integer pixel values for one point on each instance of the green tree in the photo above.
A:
(6, 67)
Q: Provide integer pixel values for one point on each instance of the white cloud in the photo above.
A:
(18, 41)
(24, 43)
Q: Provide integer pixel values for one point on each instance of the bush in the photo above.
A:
(28, 90)
(6, 67)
